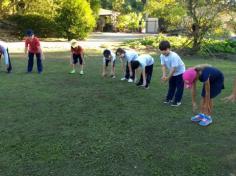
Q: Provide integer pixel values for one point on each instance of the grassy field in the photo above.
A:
(56, 124)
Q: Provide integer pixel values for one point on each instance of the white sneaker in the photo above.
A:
(81, 72)
(113, 77)
(123, 79)
(130, 80)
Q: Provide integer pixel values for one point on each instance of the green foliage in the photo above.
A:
(129, 22)
(95, 6)
(75, 19)
(42, 26)
(176, 42)
(170, 10)
(219, 46)
(209, 46)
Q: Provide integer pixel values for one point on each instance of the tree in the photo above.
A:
(95, 6)
(203, 17)
(169, 10)
(75, 19)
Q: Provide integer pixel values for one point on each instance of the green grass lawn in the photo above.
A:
(56, 124)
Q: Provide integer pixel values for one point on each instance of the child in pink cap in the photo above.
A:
(213, 83)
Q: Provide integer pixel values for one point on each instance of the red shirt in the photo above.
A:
(33, 45)
(78, 50)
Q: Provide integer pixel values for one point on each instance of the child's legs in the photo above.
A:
(30, 61)
(113, 68)
(171, 90)
(127, 71)
(9, 65)
(209, 107)
(180, 88)
(75, 61)
(133, 70)
(141, 79)
(39, 62)
(148, 70)
(81, 62)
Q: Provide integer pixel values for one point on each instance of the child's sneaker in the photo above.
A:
(130, 80)
(81, 72)
(167, 101)
(72, 72)
(139, 84)
(113, 76)
(176, 104)
(197, 118)
(123, 79)
(207, 120)
(146, 87)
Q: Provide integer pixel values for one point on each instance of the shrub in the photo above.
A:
(75, 19)
(42, 26)
(128, 22)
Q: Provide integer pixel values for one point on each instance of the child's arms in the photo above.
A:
(41, 52)
(166, 78)
(103, 69)
(194, 90)
(232, 97)
(163, 72)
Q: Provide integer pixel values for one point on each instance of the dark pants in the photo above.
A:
(176, 88)
(148, 71)
(31, 62)
(9, 68)
(76, 58)
(127, 75)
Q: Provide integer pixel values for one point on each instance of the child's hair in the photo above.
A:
(120, 50)
(135, 64)
(106, 53)
(164, 45)
(29, 32)
(200, 67)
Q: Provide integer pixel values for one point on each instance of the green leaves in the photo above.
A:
(75, 19)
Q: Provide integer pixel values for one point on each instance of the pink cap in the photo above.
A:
(189, 76)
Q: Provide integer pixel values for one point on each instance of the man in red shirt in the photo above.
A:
(32, 47)
(77, 55)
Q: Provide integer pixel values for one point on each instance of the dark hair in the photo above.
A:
(29, 32)
(120, 50)
(135, 64)
(106, 53)
(164, 45)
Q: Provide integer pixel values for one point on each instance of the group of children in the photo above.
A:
(173, 72)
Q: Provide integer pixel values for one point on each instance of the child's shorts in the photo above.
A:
(107, 61)
(76, 58)
(215, 87)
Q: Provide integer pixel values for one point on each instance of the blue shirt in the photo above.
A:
(130, 56)
(210, 73)
(173, 61)
(145, 60)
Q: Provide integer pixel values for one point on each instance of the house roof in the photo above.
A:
(105, 12)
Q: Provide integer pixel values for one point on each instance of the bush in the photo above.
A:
(209, 46)
(75, 19)
(176, 42)
(129, 22)
(42, 26)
